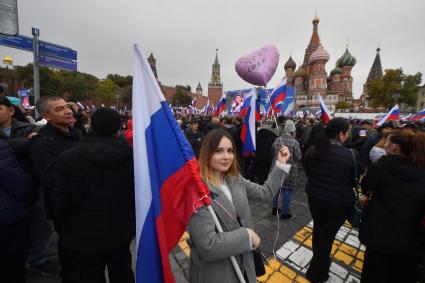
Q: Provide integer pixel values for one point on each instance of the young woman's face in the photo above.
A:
(222, 158)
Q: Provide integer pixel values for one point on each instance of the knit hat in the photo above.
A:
(105, 122)
(289, 127)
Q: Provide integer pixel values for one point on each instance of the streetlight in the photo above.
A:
(396, 96)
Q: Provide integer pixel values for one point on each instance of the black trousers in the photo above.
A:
(14, 249)
(90, 266)
(327, 220)
(384, 268)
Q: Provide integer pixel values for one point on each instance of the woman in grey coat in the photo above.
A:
(210, 250)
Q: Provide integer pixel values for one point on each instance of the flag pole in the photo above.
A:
(232, 258)
(275, 121)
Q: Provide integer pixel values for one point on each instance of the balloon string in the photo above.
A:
(273, 114)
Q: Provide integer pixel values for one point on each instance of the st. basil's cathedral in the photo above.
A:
(310, 79)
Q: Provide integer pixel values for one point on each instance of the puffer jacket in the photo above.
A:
(17, 190)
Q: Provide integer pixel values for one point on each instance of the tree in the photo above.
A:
(394, 82)
(106, 91)
(342, 105)
(181, 98)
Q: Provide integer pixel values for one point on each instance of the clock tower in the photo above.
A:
(215, 87)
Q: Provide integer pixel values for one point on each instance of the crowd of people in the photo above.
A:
(71, 173)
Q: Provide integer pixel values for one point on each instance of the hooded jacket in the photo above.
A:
(390, 224)
(93, 203)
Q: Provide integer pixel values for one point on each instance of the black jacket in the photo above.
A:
(398, 200)
(45, 149)
(21, 144)
(94, 201)
(331, 178)
(264, 153)
(17, 191)
(195, 139)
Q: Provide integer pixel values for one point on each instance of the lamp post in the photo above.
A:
(396, 96)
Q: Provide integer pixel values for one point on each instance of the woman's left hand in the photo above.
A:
(283, 155)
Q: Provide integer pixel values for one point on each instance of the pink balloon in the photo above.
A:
(259, 66)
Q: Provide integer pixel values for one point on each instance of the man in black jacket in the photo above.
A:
(54, 138)
(94, 205)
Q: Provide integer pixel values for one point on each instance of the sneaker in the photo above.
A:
(47, 268)
(286, 216)
(275, 211)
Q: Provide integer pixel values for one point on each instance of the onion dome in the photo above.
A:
(336, 71)
(290, 64)
(346, 60)
(300, 72)
(319, 55)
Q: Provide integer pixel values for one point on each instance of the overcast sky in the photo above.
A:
(184, 34)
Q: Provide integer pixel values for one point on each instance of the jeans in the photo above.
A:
(41, 232)
(285, 198)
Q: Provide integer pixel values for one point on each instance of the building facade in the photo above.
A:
(311, 79)
(215, 86)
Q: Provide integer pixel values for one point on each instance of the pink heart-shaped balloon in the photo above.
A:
(259, 66)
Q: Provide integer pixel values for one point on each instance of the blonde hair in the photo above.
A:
(209, 146)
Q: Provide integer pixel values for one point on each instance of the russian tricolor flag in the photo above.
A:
(194, 102)
(167, 181)
(288, 105)
(325, 113)
(248, 127)
(278, 96)
(420, 116)
(392, 115)
(221, 105)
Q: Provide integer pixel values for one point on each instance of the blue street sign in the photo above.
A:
(57, 63)
(17, 41)
(57, 51)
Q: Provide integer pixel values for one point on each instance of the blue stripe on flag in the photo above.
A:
(161, 146)
(148, 253)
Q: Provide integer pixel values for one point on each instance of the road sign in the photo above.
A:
(17, 41)
(52, 62)
(9, 17)
(57, 51)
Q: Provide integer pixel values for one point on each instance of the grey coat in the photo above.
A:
(295, 151)
(210, 251)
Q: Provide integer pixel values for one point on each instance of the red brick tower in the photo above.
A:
(215, 87)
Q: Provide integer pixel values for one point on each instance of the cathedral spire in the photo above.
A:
(314, 40)
(376, 70)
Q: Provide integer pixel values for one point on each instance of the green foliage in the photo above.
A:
(181, 98)
(106, 91)
(183, 88)
(382, 92)
(342, 105)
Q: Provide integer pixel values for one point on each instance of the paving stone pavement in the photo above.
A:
(293, 246)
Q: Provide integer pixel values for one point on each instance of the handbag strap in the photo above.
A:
(356, 179)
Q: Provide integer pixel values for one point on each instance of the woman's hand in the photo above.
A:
(283, 155)
(255, 240)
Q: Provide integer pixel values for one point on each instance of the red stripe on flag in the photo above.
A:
(180, 195)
